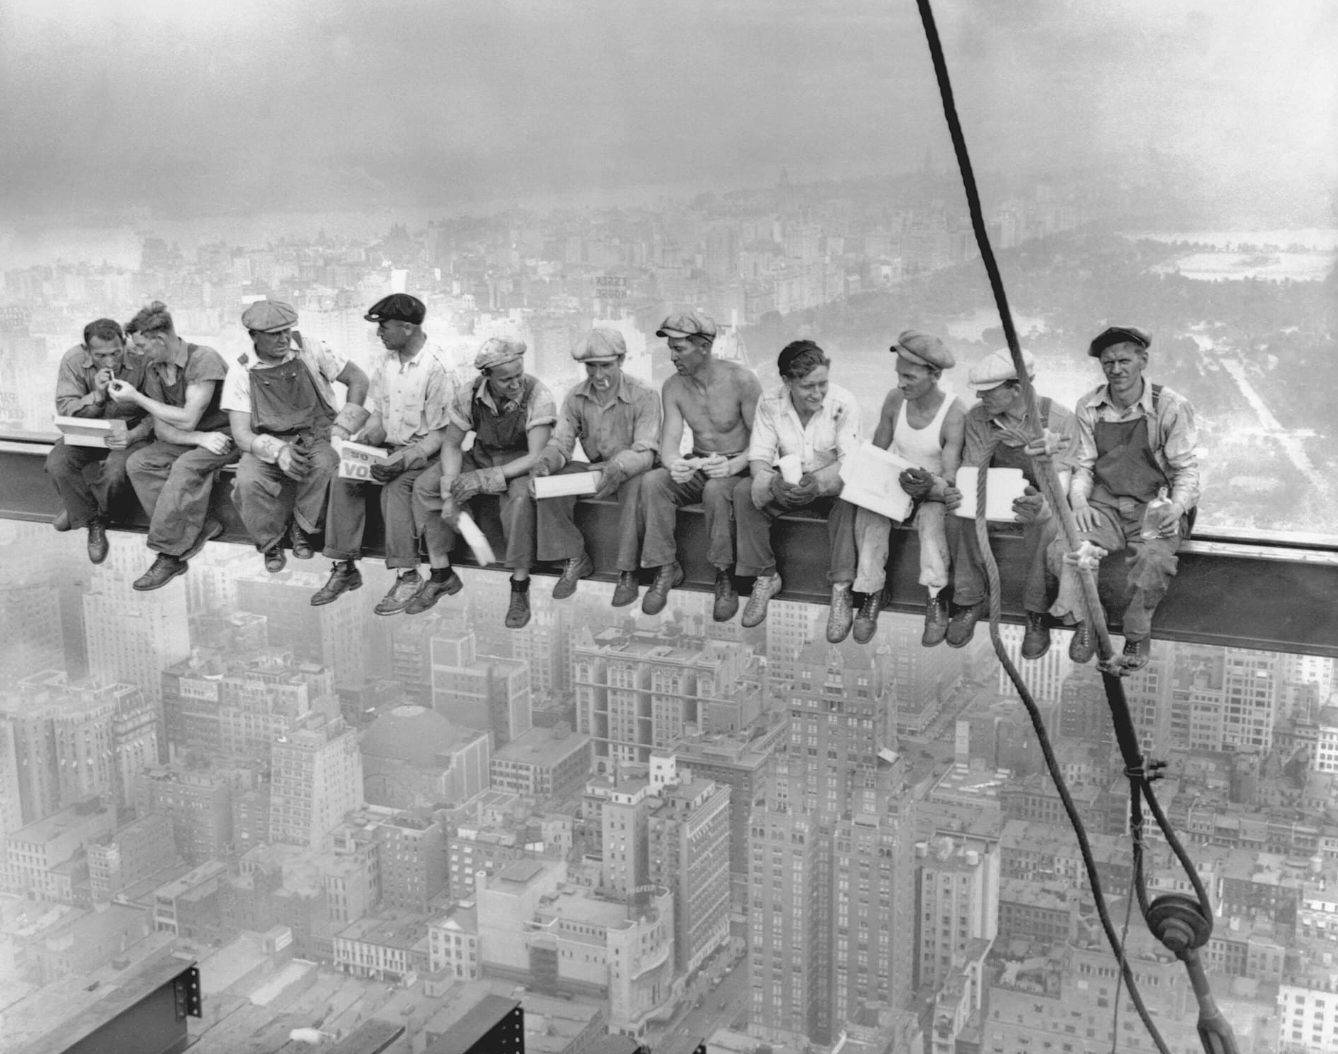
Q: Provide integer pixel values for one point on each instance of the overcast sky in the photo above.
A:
(205, 106)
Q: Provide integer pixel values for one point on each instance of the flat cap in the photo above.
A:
(1119, 335)
(923, 349)
(601, 344)
(498, 351)
(996, 368)
(398, 307)
(690, 323)
(269, 316)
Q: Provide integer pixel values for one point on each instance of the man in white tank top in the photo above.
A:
(925, 425)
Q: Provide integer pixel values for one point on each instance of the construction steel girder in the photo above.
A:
(1240, 589)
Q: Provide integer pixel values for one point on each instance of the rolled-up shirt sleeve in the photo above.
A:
(543, 408)
(1084, 459)
(568, 428)
(647, 417)
(1179, 449)
(765, 443)
(847, 430)
(460, 413)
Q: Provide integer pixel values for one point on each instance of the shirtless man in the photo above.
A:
(925, 425)
(716, 400)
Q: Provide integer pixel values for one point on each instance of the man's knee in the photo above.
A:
(63, 462)
(657, 485)
(719, 493)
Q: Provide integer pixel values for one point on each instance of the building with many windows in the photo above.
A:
(316, 781)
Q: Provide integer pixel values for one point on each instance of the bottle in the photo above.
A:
(1152, 516)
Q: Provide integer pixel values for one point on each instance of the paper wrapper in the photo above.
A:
(1004, 486)
(475, 539)
(356, 460)
(871, 480)
(566, 484)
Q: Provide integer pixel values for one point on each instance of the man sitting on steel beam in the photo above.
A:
(1135, 484)
(617, 419)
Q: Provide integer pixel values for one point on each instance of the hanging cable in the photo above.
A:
(1183, 924)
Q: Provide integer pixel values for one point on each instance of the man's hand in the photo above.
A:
(952, 498)
(101, 380)
(716, 467)
(611, 477)
(1170, 519)
(339, 432)
(374, 436)
(917, 483)
(450, 511)
(292, 463)
(682, 469)
(390, 468)
(467, 485)
(1085, 517)
(215, 442)
(1031, 507)
(121, 391)
(1050, 444)
(761, 492)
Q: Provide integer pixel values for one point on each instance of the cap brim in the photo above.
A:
(986, 386)
(673, 333)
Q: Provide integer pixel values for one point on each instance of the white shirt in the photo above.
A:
(414, 397)
(829, 435)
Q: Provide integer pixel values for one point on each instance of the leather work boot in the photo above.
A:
(962, 625)
(1036, 641)
(433, 590)
(573, 571)
(301, 544)
(98, 546)
(275, 558)
(625, 592)
(344, 578)
(62, 521)
(163, 570)
(211, 530)
(755, 611)
(1137, 653)
(866, 622)
(936, 622)
(518, 611)
(397, 599)
(842, 613)
(657, 596)
(1082, 647)
(726, 597)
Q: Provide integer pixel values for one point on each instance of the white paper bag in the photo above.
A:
(1003, 487)
(871, 479)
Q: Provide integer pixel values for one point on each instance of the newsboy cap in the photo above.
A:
(397, 307)
(690, 323)
(601, 344)
(1119, 335)
(996, 368)
(498, 351)
(923, 349)
(269, 316)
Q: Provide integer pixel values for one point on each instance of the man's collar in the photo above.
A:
(485, 396)
(179, 359)
(1102, 396)
(256, 363)
(412, 360)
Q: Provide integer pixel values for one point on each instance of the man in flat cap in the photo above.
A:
(83, 389)
(922, 424)
(1135, 439)
(996, 432)
(174, 475)
(617, 419)
(283, 409)
(809, 420)
(716, 399)
(511, 415)
(410, 392)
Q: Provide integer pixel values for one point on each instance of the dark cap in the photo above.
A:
(1119, 335)
(689, 323)
(398, 307)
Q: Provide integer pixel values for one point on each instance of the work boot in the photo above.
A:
(163, 570)
(62, 521)
(97, 541)
(1137, 653)
(403, 591)
(657, 596)
(936, 622)
(573, 571)
(962, 625)
(1036, 641)
(625, 592)
(301, 544)
(866, 622)
(841, 614)
(275, 558)
(344, 578)
(518, 611)
(211, 530)
(1082, 647)
(764, 588)
(726, 597)
(433, 590)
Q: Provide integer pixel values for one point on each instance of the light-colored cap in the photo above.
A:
(601, 344)
(924, 349)
(996, 368)
(497, 351)
(269, 316)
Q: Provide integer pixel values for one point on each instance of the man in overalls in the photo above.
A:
(1134, 438)
(282, 406)
(511, 415)
(996, 431)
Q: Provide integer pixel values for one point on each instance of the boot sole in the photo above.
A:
(451, 589)
(320, 601)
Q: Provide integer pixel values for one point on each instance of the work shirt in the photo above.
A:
(982, 432)
(324, 363)
(1172, 435)
(630, 422)
(542, 408)
(75, 389)
(193, 364)
(414, 397)
(829, 435)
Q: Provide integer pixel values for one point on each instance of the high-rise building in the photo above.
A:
(1083, 711)
(957, 883)
(334, 635)
(479, 691)
(413, 861)
(316, 781)
(30, 614)
(199, 804)
(789, 626)
(1044, 676)
(543, 763)
(625, 842)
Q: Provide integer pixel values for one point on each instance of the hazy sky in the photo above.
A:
(208, 106)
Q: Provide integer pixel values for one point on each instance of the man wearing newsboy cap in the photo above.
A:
(284, 412)
(1135, 440)
(411, 390)
(511, 416)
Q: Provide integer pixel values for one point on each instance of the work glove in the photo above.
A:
(611, 476)
(917, 483)
(480, 481)
(391, 468)
(1031, 507)
(292, 462)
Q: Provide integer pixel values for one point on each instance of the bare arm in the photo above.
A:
(750, 390)
(954, 431)
(184, 417)
(452, 456)
(352, 377)
(241, 429)
(671, 433)
(535, 439)
(887, 420)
